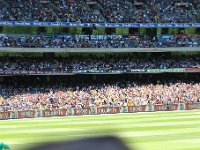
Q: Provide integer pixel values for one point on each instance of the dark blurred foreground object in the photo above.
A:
(100, 143)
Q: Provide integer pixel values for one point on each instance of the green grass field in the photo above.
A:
(178, 130)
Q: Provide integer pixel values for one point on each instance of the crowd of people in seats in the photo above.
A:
(101, 11)
(92, 63)
(99, 41)
(98, 95)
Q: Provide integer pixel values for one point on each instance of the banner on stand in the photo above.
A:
(170, 107)
(132, 109)
(78, 112)
(4, 115)
(51, 113)
(108, 110)
(96, 110)
(26, 114)
(190, 106)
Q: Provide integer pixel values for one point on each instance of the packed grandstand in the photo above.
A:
(62, 58)
(99, 41)
(98, 11)
(82, 92)
(95, 90)
(96, 64)
(42, 80)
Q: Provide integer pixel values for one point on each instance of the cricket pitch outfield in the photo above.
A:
(178, 130)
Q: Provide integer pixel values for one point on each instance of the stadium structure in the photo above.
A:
(63, 63)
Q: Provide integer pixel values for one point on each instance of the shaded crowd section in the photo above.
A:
(101, 11)
(99, 41)
(40, 93)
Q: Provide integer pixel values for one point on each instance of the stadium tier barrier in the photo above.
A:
(93, 71)
(95, 111)
(101, 25)
(96, 50)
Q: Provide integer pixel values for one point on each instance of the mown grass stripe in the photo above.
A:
(112, 127)
(138, 120)
(157, 129)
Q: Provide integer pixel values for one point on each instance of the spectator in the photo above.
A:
(130, 94)
(61, 65)
(101, 11)
(99, 41)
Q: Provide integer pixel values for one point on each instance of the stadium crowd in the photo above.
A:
(82, 96)
(99, 41)
(94, 63)
(98, 11)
